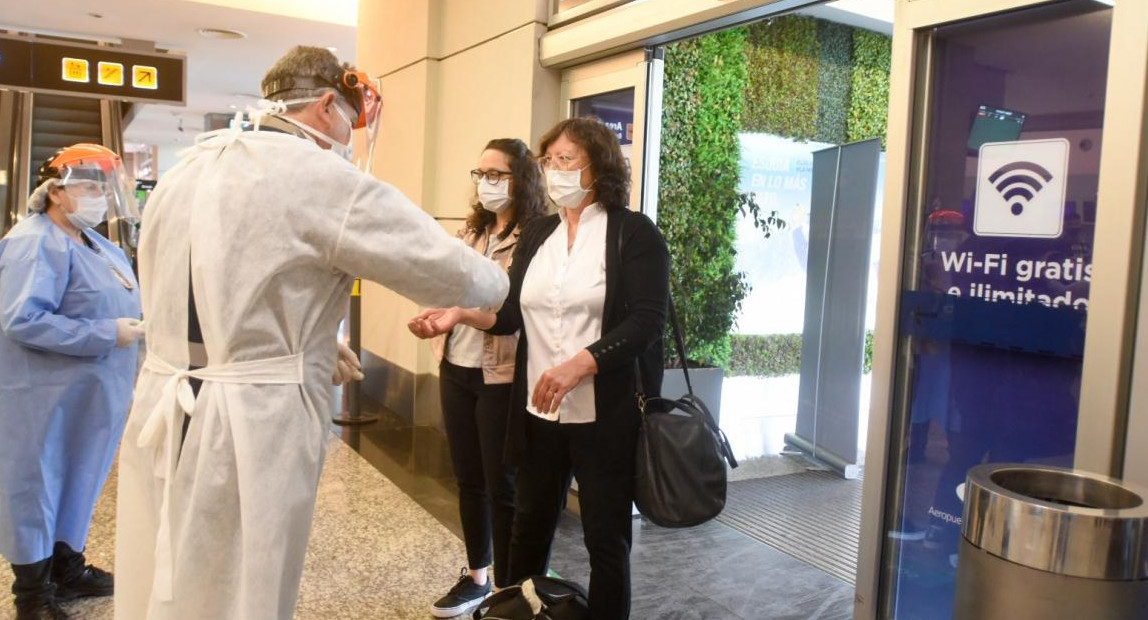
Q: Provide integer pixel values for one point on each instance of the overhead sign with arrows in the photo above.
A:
(103, 72)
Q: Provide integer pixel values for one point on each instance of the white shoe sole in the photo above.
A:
(450, 612)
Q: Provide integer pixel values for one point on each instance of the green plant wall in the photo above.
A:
(705, 80)
(781, 94)
(834, 81)
(791, 76)
(869, 100)
(812, 79)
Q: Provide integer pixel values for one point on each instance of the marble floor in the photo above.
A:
(718, 573)
(386, 542)
(374, 552)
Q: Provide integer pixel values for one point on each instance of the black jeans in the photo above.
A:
(475, 414)
(555, 453)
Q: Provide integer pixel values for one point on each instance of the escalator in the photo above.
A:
(58, 122)
(33, 126)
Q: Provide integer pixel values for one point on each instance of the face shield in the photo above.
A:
(363, 95)
(90, 173)
(359, 92)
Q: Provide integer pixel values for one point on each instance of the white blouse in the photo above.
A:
(562, 297)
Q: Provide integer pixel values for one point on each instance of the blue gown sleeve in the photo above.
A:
(32, 283)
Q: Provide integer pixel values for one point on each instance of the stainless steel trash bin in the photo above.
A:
(1047, 543)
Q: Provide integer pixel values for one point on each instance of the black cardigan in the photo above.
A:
(633, 320)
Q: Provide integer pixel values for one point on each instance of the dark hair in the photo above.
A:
(610, 168)
(527, 201)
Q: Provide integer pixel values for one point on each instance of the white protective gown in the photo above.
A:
(272, 228)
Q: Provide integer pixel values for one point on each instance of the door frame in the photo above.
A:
(634, 69)
(1117, 259)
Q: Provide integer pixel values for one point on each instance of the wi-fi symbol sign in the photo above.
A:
(1019, 182)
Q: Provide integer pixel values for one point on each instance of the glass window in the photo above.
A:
(995, 301)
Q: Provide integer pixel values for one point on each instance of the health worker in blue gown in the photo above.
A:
(69, 332)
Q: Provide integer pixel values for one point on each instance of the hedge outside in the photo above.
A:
(776, 355)
(697, 201)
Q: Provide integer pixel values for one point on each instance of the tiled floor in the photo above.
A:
(711, 572)
(706, 572)
(376, 551)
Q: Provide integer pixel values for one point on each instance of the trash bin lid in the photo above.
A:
(1058, 520)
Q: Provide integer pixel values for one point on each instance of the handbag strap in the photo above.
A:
(675, 327)
(681, 343)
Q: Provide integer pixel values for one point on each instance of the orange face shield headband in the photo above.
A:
(370, 102)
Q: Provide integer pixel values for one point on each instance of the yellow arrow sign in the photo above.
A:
(145, 77)
(110, 74)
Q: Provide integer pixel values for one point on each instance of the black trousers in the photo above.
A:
(475, 414)
(555, 453)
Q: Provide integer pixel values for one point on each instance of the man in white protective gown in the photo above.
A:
(248, 248)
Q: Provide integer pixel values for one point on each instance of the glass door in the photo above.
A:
(998, 122)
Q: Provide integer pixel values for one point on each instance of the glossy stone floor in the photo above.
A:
(707, 572)
(386, 542)
(374, 552)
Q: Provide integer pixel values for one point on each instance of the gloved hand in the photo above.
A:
(347, 366)
(128, 331)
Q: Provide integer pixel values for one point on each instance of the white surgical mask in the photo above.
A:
(342, 149)
(494, 196)
(565, 188)
(90, 211)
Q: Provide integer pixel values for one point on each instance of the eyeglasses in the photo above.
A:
(86, 188)
(492, 176)
(559, 162)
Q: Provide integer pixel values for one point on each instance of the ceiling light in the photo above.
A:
(221, 33)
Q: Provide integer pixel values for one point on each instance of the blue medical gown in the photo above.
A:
(65, 387)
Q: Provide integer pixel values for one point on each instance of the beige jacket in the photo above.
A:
(497, 351)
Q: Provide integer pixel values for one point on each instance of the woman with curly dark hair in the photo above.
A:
(475, 373)
(588, 289)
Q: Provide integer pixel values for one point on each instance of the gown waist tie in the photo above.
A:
(162, 431)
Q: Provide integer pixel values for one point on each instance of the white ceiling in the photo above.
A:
(221, 73)
(876, 15)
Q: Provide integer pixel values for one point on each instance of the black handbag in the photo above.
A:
(680, 473)
(536, 598)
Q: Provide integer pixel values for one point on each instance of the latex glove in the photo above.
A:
(129, 331)
(347, 366)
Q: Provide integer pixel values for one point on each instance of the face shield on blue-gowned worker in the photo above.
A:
(66, 368)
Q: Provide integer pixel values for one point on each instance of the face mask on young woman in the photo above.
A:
(495, 197)
(565, 187)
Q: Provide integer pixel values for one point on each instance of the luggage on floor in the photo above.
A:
(536, 598)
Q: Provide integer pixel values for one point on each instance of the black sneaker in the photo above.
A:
(463, 597)
(90, 582)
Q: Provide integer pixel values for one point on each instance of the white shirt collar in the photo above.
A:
(589, 212)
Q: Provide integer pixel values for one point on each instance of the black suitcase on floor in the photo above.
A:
(536, 598)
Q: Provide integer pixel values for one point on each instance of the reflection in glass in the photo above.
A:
(993, 314)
